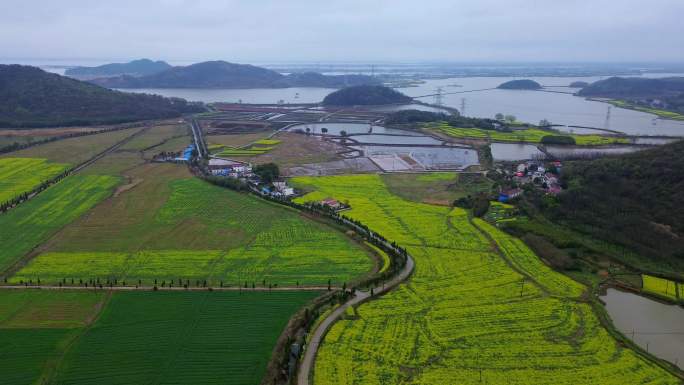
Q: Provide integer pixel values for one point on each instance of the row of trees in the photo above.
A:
(16, 146)
(185, 283)
(5, 206)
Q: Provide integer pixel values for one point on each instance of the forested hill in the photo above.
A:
(366, 95)
(635, 200)
(221, 74)
(140, 67)
(522, 84)
(616, 87)
(31, 97)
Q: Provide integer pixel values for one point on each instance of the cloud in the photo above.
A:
(351, 30)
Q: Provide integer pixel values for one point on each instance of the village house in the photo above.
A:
(229, 168)
(332, 203)
(282, 188)
(506, 195)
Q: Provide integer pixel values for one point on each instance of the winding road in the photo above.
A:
(317, 335)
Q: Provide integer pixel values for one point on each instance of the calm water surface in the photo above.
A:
(559, 107)
(396, 139)
(247, 95)
(563, 151)
(648, 323)
(533, 106)
(514, 151)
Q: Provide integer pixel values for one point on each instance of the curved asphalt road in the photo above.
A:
(318, 334)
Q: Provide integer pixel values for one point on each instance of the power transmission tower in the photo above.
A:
(607, 124)
(438, 96)
(463, 106)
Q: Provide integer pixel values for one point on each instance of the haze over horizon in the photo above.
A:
(344, 31)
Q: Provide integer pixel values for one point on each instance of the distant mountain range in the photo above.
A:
(142, 67)
(221, 74)
(31, 97)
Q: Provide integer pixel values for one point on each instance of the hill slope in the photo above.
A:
(634, 87)
(31, 97)
(221, 74)
(365, 95)
(140, 67)
(634, 200)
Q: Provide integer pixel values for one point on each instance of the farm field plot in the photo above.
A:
(251, 151)
(235, 140)
(170, 226)
(19, 175)
(181, 338)
(24, 136)
(170, 145)
(7, 140)
(156, 135)
(297, 149)
(254, 149)
(466, 316)
(22, 309)
(662, 287)
(436, 188)
(36, 326)
(33, 222)
(73, 150)
(531, 135)
(79, 337)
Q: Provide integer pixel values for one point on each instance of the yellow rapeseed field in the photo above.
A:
(480, 308)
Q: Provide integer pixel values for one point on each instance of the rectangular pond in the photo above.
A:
(654, 326)
(431, 158)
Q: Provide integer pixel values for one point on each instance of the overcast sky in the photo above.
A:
(351, 30)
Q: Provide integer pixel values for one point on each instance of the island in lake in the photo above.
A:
(522, 84)
(366, 95)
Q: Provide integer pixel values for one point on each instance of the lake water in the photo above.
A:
(247, 95)
(648, 323)
(533, 106)
(395, 139)
(559, 107)
(569, 151)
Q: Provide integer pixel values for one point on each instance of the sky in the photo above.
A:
(281, 31)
